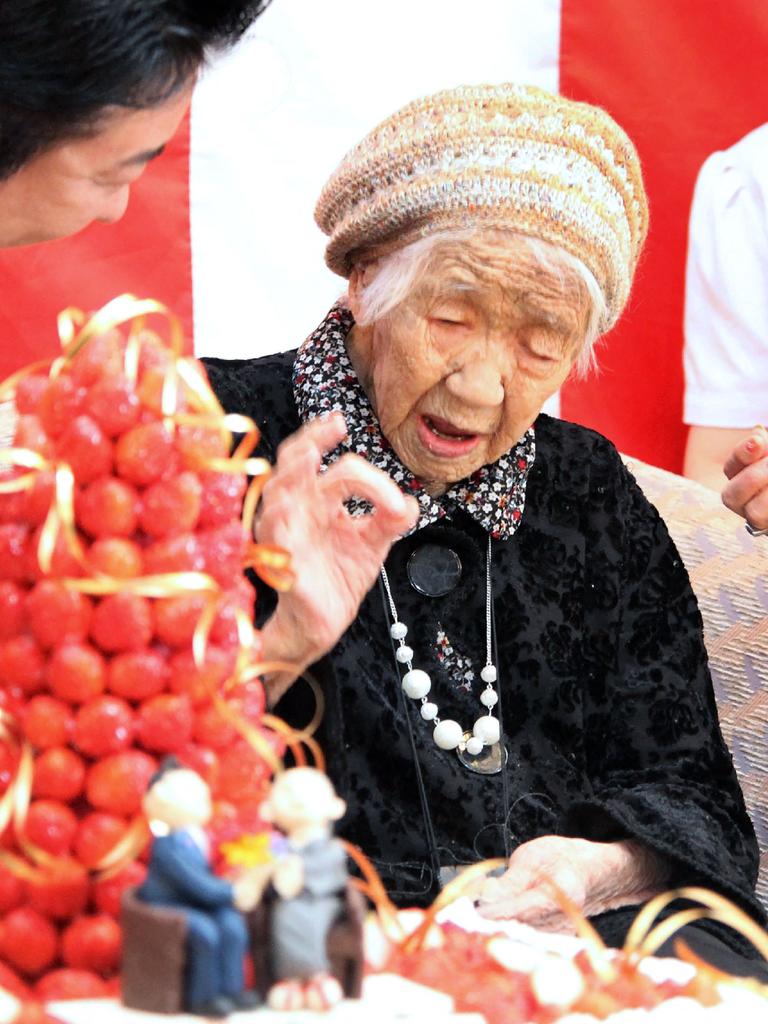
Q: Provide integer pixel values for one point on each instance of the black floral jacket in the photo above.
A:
(606, 698)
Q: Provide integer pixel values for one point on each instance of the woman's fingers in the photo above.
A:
(294, 477)
(535, 906)
(352, 477)
(311, 442)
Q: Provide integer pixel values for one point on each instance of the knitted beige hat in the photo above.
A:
(511, 156)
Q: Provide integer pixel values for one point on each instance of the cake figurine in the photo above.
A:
(178, 807)
(309, 882)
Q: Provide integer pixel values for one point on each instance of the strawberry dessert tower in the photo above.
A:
(125, 633)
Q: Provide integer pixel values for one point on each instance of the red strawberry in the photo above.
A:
(61, 894)
(51, 825)
(97, 835)
(86, 449)
(22, 664)
(138, 674)
(108, 508)
(116, 557)
(63, 560)
(152, 389)
(224, 552)
(118, 783)
(11, 982)
(58, 774)
(92, 943)
(8, 763)
(104, 726)
(13, 552)
(76, 672)
(62, 402)
(176, 554)
(108, 892)
(12, 892)
(202, 760)
(242, 771)
(28, 941)
(145, 454)
(30, 433)
(165, 722)
(225, 629)
(48, 722)
(198, 445)
(122, 622)
(171, 506)
(70, 983)
(200, 683)
(12, 506)
(212, 729)
(177, 617)
(222, 498)
(113, 403)
(101, 357)
(29, 392)
(11, 609)
(38, 499)
(57, 614)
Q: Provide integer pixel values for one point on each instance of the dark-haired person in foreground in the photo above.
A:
(90, 92)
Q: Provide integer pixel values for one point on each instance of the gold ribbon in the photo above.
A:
(643, 939)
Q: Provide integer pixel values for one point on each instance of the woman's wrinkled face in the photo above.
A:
(460, 370)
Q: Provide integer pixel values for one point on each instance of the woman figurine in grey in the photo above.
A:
(309, 881)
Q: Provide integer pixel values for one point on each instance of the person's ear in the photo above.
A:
(355, 290)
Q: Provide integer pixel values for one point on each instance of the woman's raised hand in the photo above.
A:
(335, 557)
(594, 876)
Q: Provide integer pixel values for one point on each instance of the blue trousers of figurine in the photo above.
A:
(217, 941)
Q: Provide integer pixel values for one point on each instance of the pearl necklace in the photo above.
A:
(448, 734)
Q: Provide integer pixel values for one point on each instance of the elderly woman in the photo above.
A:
(527, 677)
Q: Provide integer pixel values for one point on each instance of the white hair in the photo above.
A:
(397, 273)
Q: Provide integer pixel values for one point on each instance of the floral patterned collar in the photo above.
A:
(324, 380)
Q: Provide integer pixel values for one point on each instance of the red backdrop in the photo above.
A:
(684, 78)
(147, 253)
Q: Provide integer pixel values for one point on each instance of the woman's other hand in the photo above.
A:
(335, 557)
(594, 876)
(747, 471)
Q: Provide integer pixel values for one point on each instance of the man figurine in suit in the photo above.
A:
(178, 806)
(310, 881)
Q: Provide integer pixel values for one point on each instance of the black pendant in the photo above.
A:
(434, 570)
(489, 761)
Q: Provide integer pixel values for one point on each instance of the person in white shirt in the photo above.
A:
(726, 311)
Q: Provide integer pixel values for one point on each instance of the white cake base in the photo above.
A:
(389, 999)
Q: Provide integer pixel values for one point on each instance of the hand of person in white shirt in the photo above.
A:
(746, 469)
